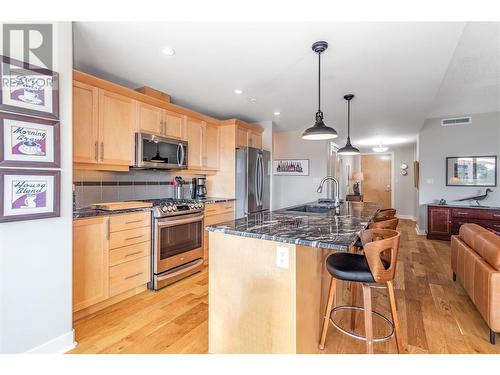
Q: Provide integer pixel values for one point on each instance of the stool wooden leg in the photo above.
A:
(367, 302)
(328, 309)
(354, 292)
(394, 313)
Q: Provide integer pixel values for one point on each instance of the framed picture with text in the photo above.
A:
(291, 167)
(28, 90)
(27, 194)
(28, 142)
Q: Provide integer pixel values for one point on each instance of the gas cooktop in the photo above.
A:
(170, 206)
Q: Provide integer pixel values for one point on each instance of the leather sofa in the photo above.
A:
(475, 261)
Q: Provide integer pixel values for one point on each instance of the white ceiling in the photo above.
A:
(396, 70)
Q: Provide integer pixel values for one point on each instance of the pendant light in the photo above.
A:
(319, 131)
(348, 149)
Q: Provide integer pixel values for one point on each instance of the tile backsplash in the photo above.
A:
(97, 187)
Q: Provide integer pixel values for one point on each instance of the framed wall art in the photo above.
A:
(29, 142)
(291, 167)
(28, 90)
(27, 194)
(471, 171)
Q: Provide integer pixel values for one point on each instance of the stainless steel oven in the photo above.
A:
(153, 152)
(177, 246)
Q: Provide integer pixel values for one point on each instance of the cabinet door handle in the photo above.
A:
(133, 221)
(131, 254)
(102, 151)
(133, 238)
(134, 275)
(96, 151)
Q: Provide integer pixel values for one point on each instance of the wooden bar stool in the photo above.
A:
(368, 269)
(386, 213)
(386, 223)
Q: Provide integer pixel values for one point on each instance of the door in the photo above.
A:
(149, 119)
(90, 261)
(211, 140)
(85, 123)
(376, 186)
(116, 114)
(241, 138)
(194, 129)
(439, 221)
(254, 140)
(174, 125)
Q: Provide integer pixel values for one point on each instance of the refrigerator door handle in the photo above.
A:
(261, 179)
(256, 182)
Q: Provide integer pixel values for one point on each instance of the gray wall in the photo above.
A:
(290, 190)
(405, 194)
(35, 256)
(482, 137)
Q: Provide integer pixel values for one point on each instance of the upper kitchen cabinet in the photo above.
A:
(174, 125)
(196, 146)
(247, 135)
(116, 129)
(85, 123)
(212, 146)
(149, 119)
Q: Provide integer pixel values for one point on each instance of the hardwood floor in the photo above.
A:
(435, 314)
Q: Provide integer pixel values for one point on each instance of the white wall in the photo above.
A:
(482, 137)
(405, 194)
(290, 190)
(267, 144)
(35, 256)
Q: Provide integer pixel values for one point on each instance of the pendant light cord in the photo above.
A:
(319, 82)
(348, 119)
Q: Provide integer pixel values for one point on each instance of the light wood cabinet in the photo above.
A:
(116, 124)
(241, 137)
(103, 127)
(149, 119)
(212, 147)
(254, 140)
(85, 123)
(194, 130)
(248, 138)
(216, 213)
(174, 125)
(90, 262)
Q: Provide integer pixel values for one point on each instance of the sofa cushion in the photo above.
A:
(485, 243)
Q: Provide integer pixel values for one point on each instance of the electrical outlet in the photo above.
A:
(282, 257)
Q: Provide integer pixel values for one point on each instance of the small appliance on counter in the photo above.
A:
(177, 182)
(198, 188)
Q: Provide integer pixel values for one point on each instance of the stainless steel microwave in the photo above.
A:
(153, 152)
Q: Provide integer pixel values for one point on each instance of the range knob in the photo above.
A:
(164, 208)
(174, 208)
(169, 208)
(199, 205)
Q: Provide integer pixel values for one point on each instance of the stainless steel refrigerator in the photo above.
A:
(252, 181)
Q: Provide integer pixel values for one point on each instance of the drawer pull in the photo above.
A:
(133, 238)
(133, 221)
(496, 215)
(132, 276)
(462, 213)
(134, 253)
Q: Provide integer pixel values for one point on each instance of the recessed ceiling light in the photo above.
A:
(277, 113)
(168, 51)
(238, 91)
(380, 148)
(253, 100)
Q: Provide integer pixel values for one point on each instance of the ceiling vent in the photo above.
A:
(456, 121)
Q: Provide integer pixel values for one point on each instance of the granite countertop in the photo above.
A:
(463, 205)
(212, 200)
(322, 230)
(81, 213)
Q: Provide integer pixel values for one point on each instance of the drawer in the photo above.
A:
(219, 208)
(129, 221)
(128, 253)
(129, 237)
(129, 275)
(179, 259)
(489, 224)
(219, 218)
(476, 213)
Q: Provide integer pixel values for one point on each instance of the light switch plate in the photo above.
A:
(282, 257)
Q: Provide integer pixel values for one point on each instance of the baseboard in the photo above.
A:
(59, 345)
(407, 217)
(419, 231)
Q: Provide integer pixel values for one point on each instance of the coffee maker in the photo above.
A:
(198, 188)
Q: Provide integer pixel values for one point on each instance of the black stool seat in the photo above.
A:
(350, 267)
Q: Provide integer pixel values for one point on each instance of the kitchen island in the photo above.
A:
(268, 284)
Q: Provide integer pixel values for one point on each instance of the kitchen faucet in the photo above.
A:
(335, 199)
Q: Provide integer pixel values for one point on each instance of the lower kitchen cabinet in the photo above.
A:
(216, 213)
(90, 261)
(111, 256)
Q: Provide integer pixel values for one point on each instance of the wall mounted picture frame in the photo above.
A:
(29, 194)
(477, 171)
(28, 89)
(29, 142)
(291, 167)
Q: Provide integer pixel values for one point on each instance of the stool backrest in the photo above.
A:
(385, 224)
(379, 245)
(386, 213)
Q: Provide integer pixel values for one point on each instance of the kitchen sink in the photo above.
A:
(311, 209)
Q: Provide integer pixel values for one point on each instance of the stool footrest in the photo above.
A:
(354, 335)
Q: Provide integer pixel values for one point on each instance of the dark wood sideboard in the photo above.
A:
(443, 221)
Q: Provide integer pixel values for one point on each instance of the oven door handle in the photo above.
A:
(173, 223)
